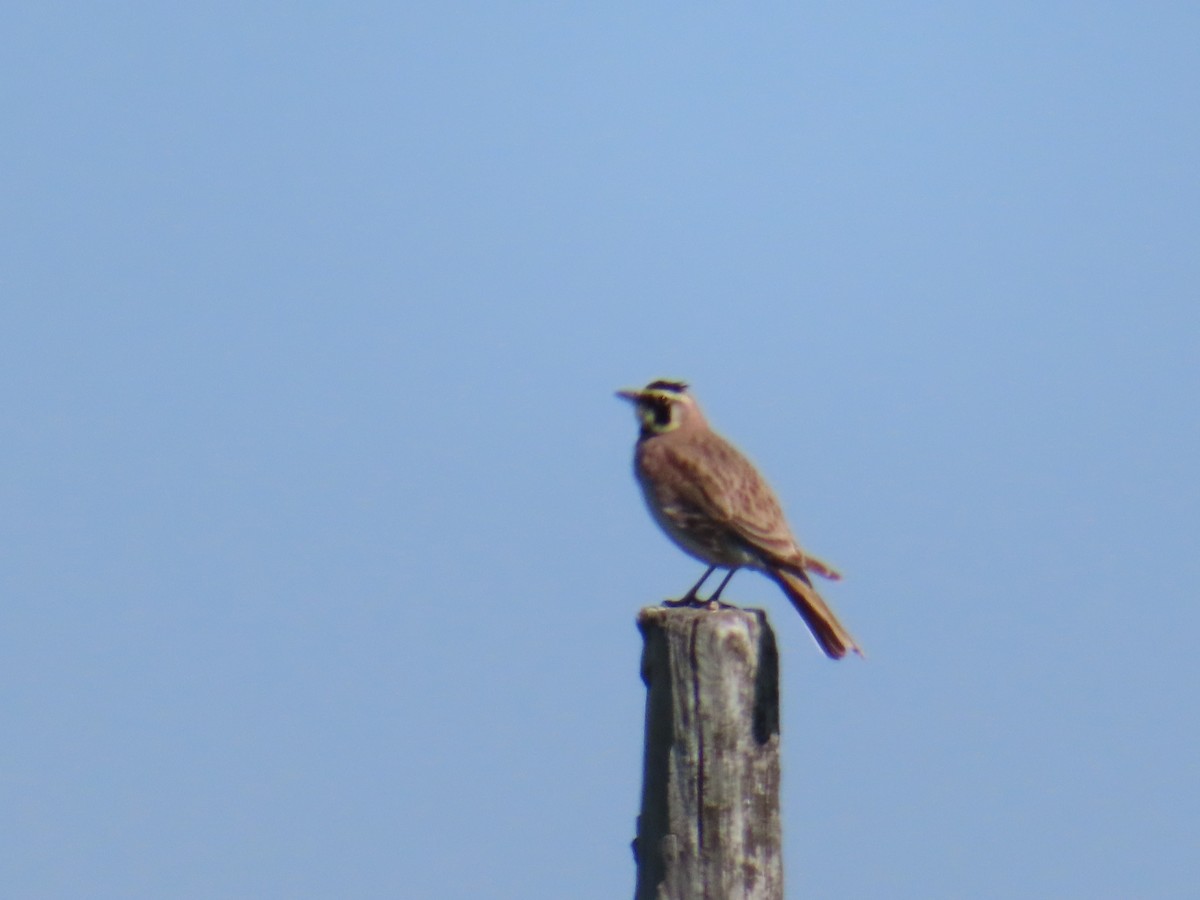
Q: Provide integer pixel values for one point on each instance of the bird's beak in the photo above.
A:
(631, 395)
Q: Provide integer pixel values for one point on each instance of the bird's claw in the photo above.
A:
(692, 602)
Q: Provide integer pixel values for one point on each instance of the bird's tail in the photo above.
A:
(834, 639)
(822, 568)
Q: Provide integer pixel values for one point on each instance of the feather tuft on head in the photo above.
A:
(675, 387)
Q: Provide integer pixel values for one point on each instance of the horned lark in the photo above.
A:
(715, 505)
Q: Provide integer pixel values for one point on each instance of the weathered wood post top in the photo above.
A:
(709, 825)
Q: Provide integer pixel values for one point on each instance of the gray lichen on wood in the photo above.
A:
(709, 824)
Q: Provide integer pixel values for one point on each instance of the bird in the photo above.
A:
(713, 503)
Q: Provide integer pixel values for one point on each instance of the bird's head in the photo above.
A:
(663, 406)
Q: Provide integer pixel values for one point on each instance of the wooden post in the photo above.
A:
(709, 825)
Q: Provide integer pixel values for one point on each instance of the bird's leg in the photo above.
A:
(716, 595)
(689, 599)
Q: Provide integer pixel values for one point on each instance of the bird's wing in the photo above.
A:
(723, 485)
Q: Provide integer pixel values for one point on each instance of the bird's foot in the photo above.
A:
(693, 602)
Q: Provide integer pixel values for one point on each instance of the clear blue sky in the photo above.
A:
(320, 552)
